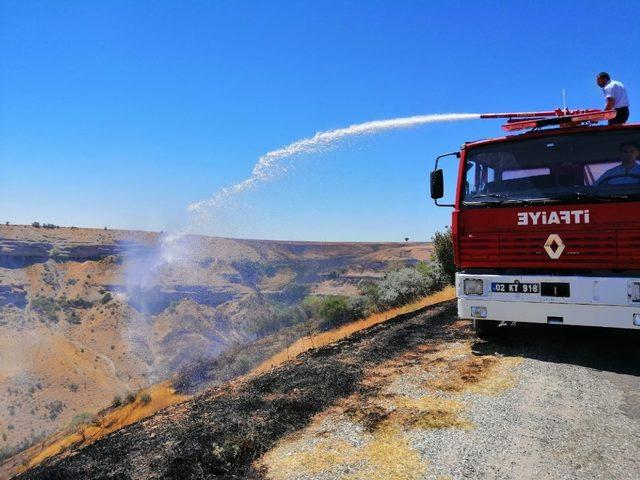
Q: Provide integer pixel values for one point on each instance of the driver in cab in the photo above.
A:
(628, 172)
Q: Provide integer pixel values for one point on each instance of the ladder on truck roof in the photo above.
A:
(564, 118)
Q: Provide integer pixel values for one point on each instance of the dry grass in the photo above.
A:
(389, 455)
(383, 454)
(380, 415)
(336, 334)
(483, 375)
(429, 412)
(162, 395)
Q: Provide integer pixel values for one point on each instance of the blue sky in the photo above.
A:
(123, 113)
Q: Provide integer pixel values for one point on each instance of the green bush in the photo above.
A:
(443, 256)
(46, 306)
(334, 311)
(311, 305)
(145, 398)
(117, 401)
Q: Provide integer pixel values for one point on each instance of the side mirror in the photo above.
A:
(437, 184)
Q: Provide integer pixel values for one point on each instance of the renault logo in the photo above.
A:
(554, 246)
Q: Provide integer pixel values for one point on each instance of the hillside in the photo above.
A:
(416, 397)
(87, 314)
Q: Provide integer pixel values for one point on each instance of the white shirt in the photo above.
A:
(614, 89)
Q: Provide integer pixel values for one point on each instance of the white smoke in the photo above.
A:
(145, 271)
(146, 274)
(272, 164)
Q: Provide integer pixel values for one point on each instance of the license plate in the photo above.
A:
(516, 287)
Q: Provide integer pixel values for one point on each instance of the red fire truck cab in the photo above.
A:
(546, 226)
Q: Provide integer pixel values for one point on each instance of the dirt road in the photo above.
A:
(573, 412)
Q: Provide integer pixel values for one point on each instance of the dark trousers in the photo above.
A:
(622, 115)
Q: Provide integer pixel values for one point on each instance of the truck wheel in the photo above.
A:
(485, 328)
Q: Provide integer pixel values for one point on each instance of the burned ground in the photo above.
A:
(219, 434)
(417, 397)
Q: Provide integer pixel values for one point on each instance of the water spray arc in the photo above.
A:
(272, 164)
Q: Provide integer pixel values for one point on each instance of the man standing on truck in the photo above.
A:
(628, 172)
(616, 97)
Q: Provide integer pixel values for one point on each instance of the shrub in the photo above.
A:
(55, 408)
(192, 375)
(36, 224)
(73, 387)
(73, 318)
(396, 264)
(292, 293)
(403, 286)
(443, 255)
(311, 305)
(424, 268)
(106, 298)
(182, 382)
(46, 306)
(130, 397)
(370, 290)
(78, 303)
(334, 311)
(82, 417)
(145, 398)
(360, 306)
(281, 318)
(117, 401)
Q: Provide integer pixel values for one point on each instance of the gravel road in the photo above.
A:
(574, 412)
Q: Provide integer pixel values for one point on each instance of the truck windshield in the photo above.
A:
(599, 166)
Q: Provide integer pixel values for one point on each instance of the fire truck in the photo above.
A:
(546, 223)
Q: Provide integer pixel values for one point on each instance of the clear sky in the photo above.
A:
(123, 113)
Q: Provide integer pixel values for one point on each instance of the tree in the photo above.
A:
(443, 255)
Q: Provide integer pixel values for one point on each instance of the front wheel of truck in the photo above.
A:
(485, 329)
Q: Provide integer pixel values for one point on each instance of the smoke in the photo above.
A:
(273, 164)
(173, 256)
(147, 272)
